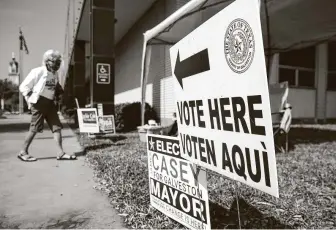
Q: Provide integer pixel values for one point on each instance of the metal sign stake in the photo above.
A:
(237, 200)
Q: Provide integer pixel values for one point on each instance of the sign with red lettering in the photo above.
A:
(223, 106)
(177, 188)
(88, 120)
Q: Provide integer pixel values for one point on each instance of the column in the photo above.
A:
(321, 74)
(102, 54)
(68, 96)
(79, 72)
(274, 69)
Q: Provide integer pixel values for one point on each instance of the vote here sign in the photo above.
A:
(177, 188)
(223, 107)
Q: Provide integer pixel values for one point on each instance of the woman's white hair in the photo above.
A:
(51, 55)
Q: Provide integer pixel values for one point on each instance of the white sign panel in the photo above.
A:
(106, 124)
(173, 184)
(222, 98)
(103, 73)
(88, 120)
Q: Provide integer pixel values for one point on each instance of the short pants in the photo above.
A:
(44, 109)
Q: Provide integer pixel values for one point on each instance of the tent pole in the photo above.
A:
(146, 52)
(146, 56)
(147, 64)
(187, 8)
(142, 82)
(268, 61)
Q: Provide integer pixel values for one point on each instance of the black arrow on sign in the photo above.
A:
(195, 64)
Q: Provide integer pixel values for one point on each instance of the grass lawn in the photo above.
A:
(306, 175)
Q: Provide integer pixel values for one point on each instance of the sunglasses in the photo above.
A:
(54, 61)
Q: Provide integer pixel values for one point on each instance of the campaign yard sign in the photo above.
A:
(106, 124)
(88, 120)
(177, 188)
(222, 98)
(100, 109)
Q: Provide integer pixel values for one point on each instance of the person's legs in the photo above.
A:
(58, 139)
(55, 126)
(29, 139)
(36, 125)
(24, 155)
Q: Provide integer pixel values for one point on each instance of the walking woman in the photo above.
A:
(40, 88)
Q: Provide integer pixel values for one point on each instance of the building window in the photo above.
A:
(306, 78)
(331, 80)
(287, 75)
(332, 56)
(298, 67)
(331, 66)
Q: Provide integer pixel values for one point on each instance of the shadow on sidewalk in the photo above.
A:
(68, 221)
(12, 127)
(51, 137)
(46, 158)
(77, 154)
(24, 127)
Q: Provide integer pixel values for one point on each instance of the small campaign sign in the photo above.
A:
(222, 98)
(106, 124)
(103, 73)
(100, 109)
(88, 120)
(177, 187)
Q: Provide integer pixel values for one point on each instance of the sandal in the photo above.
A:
(26, 157)
(65, 156)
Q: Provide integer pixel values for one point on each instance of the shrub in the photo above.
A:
(128, 116)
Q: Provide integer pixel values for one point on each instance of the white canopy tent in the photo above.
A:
(286, 24)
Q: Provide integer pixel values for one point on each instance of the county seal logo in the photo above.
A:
(239, 46)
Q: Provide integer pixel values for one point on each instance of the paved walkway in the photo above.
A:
(48, 193)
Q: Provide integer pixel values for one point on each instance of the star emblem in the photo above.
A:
(151, 143)
(238, 46)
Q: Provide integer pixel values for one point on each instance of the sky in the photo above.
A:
(43, 23)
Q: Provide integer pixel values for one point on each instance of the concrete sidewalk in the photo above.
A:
(48, 193)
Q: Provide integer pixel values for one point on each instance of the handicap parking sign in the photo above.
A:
(103, 73)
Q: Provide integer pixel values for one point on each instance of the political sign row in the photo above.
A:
(223, 116)
(90, 122)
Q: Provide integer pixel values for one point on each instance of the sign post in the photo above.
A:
(223, 105)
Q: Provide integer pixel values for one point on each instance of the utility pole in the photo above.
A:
(23, 45)
(20, 80)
